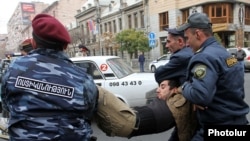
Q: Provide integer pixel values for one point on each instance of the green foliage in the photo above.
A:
(132, 41)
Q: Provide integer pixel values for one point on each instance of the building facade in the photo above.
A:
(98, 21)
(94, 23)
(230, 19)
(18, 30)
(3, 38)
(19, 22)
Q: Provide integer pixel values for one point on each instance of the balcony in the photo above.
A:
(216, 20)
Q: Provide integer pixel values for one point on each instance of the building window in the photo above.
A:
(116, 52)
(110, 27)
(111, 51)
(164, 21)
(82, 28)
(247, 15)
(107, 51)
(135, 20)
(93, 51)
(247, 39)
(100, 28)
(185, 15)
(120, 23)
(142, 19)
(129, 22)
(105, 27)
(87, 30)
(219, 12)
(114, 24)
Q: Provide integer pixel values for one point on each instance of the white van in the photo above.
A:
(113, 74)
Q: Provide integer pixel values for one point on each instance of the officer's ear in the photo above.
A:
(65, 46)
(181, 41)
(175, 90)
(33, 43)
(198, 33)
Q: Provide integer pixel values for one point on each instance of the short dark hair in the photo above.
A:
(207, 31)
(26, 48)
(178, 36)
(173, 83)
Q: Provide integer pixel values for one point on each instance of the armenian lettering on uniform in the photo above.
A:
(44, 87)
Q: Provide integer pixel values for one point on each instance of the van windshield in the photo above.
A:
(119, 67)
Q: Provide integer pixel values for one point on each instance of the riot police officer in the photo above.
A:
(215, 80)
(47, 96)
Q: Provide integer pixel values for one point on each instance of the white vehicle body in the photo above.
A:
(162, 60)
(113, 74)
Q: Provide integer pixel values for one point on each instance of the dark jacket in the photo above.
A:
(176, 67)
(240, 55)
(141, 58)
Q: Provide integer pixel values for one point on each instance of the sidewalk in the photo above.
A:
(138, 70)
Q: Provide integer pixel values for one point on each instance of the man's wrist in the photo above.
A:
(179, 90)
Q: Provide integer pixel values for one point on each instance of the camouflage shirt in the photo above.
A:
(48, 97)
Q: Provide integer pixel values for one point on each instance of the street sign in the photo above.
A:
(151, 43)
(151, 37)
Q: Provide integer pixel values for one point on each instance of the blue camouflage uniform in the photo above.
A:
(49, 98)
(216, 81)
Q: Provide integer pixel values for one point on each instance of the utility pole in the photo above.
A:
(98, 20)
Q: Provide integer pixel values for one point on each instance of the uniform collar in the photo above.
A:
(51, 53)
(180, 49)
(209, 41)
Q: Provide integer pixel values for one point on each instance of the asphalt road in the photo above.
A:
(161, 136)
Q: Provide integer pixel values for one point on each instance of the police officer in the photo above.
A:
(47, 96)
(156, 116)
(181, 54)
(215, 79)
(26, 46)
(84, 50)
(176, 68)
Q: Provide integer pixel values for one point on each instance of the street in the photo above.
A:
(161, 136)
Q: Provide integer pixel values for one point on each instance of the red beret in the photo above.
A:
(50, 29)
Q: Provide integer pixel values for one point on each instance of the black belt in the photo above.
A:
(136, 127)
(137, 122)
(93, 138)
